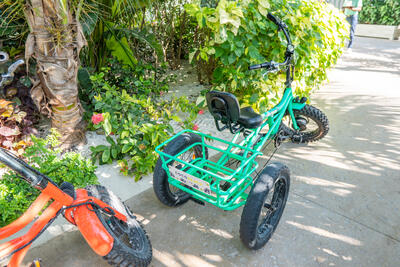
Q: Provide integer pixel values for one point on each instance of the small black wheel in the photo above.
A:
(131, 245)
(265, 205)
(165, 192)
(312, 122)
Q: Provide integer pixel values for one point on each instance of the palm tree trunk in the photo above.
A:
(54, 42)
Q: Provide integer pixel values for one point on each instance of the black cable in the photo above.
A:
(272, 154)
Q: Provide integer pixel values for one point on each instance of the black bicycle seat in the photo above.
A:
(225, 108)
(249, 119)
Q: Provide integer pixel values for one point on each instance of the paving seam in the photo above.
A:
(349, 218)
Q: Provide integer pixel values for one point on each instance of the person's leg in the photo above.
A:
(354, 25)
(353, 20)
(350, 20)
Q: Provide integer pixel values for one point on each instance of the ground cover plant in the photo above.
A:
(237, 34)
(134, 117)
(16, 195)
(383, 12)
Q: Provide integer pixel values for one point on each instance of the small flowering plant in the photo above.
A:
(97, 118)
(102, 120)
(195, 126)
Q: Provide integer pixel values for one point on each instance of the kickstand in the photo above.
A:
(36, 263)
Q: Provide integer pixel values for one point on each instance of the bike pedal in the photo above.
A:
(195, 200)
(297, 139)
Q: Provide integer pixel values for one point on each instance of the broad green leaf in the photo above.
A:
(106, 155)
(218, 52)
(121, 50)
(126, 148)
(114, 153)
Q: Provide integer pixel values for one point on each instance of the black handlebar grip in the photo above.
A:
(254, 67)
(273, 19)
(23, 169)
(259, 66)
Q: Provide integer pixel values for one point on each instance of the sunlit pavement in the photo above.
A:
(344, 204)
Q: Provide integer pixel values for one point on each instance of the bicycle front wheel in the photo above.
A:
(313, 124)
(131, 245)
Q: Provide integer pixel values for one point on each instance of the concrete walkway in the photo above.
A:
(344, 204)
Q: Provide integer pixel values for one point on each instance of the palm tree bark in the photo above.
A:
(54, 42)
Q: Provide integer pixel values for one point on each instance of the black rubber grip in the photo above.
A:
(259, 66)
(28, 173)
(254, 67)
(273, 19)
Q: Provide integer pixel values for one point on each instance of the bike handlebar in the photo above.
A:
(7, 78)
(29, 174)
(289, 48)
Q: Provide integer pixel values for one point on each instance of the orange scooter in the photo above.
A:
(105, 222)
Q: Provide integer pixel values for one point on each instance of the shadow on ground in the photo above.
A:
(342, 207)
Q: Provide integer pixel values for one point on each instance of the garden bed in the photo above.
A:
(378, 31)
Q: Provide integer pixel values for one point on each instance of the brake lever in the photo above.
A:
(272, 69)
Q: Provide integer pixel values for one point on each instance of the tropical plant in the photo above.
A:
(13, 27)
(115, 27)
(16, 195)
(383, 12)
(54, 43)
(238, 34)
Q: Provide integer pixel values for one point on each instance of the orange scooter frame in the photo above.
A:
(78, 210)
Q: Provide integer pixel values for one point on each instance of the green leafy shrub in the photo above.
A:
(134, 121)
(240, 34)
(174, 29)
(383, 12)
(16, 195)
(141, 79)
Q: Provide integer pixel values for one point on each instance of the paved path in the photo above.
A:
(344, 204)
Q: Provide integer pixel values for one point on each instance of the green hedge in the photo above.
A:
(382, 12)
(238, 33)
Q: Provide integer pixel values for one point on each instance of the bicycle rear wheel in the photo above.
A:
(265, 205)
(168, 194)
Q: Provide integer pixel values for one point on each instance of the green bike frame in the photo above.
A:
(207, 177)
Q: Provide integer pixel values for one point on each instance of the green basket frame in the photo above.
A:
(216, 173)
